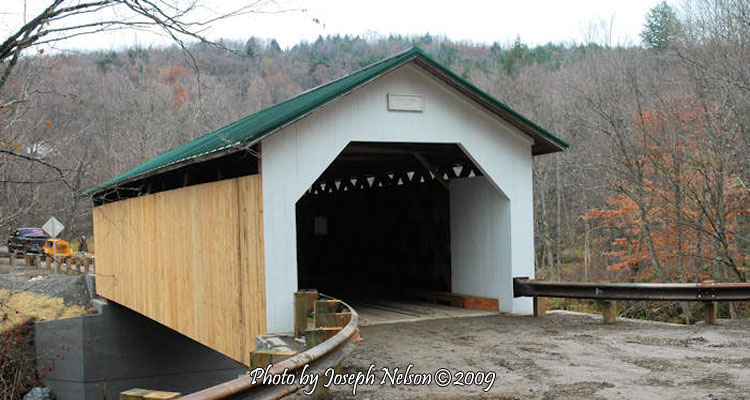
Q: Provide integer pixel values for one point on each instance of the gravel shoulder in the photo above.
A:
(71, 288)
(558, 357)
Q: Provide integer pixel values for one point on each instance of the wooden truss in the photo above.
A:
(391, 179)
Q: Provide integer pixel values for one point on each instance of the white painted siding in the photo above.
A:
(480, 241)
(294, 158)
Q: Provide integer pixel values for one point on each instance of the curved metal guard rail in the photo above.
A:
(327, 354)
(525, 287)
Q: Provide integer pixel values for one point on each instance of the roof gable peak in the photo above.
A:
(255, 127)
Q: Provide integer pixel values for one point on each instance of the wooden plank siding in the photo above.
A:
(190, 259)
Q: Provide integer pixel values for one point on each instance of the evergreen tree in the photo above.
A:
(251, 47)
(660, 27)
(273, 47)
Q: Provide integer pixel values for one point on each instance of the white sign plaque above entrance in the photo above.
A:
(406, 102)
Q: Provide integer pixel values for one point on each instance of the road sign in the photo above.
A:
(53, 227)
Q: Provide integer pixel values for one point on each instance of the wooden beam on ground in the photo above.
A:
(162, 396)
(148, 394)
(460, 300)
(135, 394)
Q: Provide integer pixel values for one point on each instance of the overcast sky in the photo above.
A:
(534, 21)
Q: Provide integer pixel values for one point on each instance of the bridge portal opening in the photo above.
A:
(377, 222)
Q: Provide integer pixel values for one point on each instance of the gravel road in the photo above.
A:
(557, 357)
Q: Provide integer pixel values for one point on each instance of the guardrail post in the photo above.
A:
(38, 261)
(710, 311)
(47, 262)
(304, 303)
(13, 259)
(27, 259)
(332, 320)
(540, 306)
(327, 306)
(314, 337)
(261, 358)
(609, 311)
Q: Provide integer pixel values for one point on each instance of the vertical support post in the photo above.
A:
(54, 255)
(540, 306)
(314, 337)
(332, 320)
(327, 306)
(609, 311)
(300, 313)
(710, 311)
(27, 259)
(86, 264)
(312, 297)
(38, 261)
(13, 259)
(47, 262)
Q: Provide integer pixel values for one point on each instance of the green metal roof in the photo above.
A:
(251, 129)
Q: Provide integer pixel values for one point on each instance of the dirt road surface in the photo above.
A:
(557, 357)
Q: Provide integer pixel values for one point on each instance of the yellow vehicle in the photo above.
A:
(62, 248)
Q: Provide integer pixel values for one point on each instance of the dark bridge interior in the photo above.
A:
(377, 221)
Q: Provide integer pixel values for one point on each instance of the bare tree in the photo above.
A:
(36, 165)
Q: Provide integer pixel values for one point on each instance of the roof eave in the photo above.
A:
(544, 141)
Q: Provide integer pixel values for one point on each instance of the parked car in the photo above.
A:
(27, 240)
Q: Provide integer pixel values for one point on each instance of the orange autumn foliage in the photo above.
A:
(172, 76)
(678, 219)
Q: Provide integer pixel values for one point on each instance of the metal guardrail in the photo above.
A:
(319, 358)
(525, 287)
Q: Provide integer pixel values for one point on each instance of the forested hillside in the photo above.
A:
(654, 186)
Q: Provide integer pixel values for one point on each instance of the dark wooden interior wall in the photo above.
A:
(379, 240)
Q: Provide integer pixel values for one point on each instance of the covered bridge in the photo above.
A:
(401, 176)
